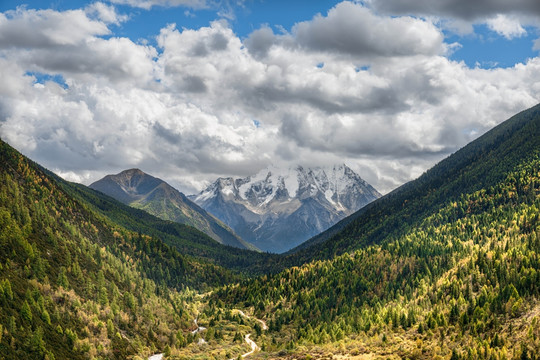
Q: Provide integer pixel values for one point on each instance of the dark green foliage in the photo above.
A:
(66, 272)
(26, 312)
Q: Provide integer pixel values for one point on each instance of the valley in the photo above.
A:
(445, 267)
(266, 180)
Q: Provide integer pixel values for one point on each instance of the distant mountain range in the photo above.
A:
(277, 209)
(140, 190)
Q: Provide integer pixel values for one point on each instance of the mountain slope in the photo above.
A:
(138, 189)
(278, 209)
(446, 267)
(186, 239)
(480, 164)
(74, 284)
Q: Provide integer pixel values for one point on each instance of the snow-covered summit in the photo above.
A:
(315, 197)
(272, 183)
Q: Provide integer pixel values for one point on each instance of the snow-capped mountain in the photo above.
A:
(277, 209)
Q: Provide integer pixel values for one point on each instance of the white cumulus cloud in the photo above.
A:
(105, 13)
(374, 91)
(353, 29)
(506, 26)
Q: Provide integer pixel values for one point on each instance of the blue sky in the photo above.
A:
(244, 17)
(487, 49)
(484, 47)
(386, 86)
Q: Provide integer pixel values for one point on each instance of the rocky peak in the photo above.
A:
(286, 206)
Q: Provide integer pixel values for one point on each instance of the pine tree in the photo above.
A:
(26, 312)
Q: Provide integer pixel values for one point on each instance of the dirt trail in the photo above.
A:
(254, 347)
(262, 322)
(251, 343)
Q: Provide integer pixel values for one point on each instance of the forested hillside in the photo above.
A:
(462, 281)
(466, 281)
(186, 239)
(75, 285)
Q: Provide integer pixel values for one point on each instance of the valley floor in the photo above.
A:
(380, 343)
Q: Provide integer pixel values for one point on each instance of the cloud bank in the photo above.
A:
(354, 85)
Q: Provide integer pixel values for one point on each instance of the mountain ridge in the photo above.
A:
(138, 189)
(277, 209)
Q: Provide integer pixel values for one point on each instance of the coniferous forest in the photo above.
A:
(445, 267)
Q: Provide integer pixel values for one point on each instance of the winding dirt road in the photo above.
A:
(251, 343)
(254, 347)
(263, 324)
